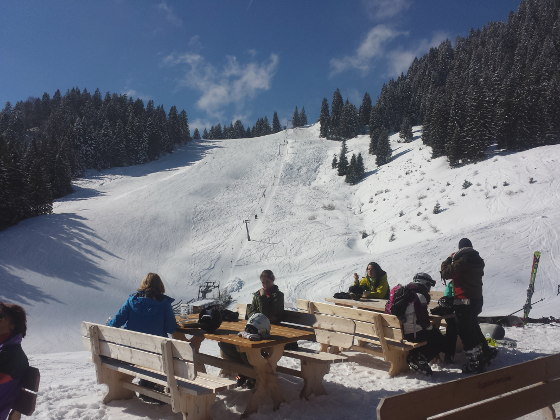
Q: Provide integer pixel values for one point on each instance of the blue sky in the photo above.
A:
(225, 59)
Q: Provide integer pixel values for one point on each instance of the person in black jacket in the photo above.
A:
(13, 361)
(466, 268)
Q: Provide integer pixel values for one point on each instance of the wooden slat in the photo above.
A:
(201, 385)
(334, 323)
(333, 338)
(299, 318)
(512, 405)
(352, 313)
(289, 371)
(141, 341)
(308, 354)
(470, 390)
(167, 361)
(148, 392)
(142, 358)
(228, 365)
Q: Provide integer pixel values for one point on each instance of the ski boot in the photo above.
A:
(417, 362)
(476, 361)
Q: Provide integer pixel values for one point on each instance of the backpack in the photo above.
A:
(399, 298)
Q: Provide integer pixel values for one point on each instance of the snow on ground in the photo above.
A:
(182, 217)
(69, 389)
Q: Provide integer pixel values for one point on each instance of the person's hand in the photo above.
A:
(356, 277)
(261, 291)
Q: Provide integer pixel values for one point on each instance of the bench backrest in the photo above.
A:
(340, 326)
(506, 393)
(27, 398)
(159, 354)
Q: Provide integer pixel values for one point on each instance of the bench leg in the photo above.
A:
(14, 415)
(266, 378)
(549, 413)
(197, 407)
(116, 391)
(313, 374)
(397, 359)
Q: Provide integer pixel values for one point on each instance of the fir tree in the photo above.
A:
(342, 160)
(334, 163)
(302, 117)
(351, 174)
(365, 111)
(336, 116)
(276, 123)
(383, 149)
(296, 118)
(324, 118)
(360, 169)
(405, 133)
(196, 135)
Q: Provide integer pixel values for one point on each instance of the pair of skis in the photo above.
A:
(531, 289)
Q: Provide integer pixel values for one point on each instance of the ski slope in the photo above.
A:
(182, 217)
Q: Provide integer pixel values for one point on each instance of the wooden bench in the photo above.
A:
(121, 355)
(501, 394)
(342, 328)
(27, 398)
(314, 364)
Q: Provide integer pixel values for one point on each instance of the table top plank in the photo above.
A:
(227, 333)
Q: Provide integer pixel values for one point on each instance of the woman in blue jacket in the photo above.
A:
(147, 311)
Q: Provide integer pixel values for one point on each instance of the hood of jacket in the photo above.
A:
(145, 305)
(12, 341)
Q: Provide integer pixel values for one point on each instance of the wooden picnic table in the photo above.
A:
(378, 305)
(262, 355)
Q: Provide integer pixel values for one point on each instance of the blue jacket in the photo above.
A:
(146, 315)
(13, 363)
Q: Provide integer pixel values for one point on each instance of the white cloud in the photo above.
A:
(169, 13)
(234, 84)
(133, 93)
(371, 47)
(399, 60)
(194, 42)
(384, 9)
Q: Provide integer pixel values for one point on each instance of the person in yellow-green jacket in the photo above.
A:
(373, 285)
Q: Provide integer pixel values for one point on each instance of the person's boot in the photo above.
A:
(490, 353)
(418, 363)
(476, 361)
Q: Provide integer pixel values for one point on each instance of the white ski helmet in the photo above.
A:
(260, 323)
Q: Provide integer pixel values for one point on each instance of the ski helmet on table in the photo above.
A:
(258, 324)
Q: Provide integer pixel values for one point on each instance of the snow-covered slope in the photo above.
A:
(182, 217)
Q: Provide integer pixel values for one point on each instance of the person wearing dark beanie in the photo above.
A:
(466, 268)
(465, 243)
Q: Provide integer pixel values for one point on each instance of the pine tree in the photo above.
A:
(334, 163)
(324, 118)
(205, 134)
(405, 133)
(343, 160)
(351, 175)
(360, 169)
(296, 119)
(276, 123)
(302, 117)
(196, 135)
(365, 112)
(336, 116)
(383, 150)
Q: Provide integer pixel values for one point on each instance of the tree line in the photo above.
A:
(238, 131)
(499, 86)
(47, 141)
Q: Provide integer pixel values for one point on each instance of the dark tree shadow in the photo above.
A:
(81, 193)
(398, 155)
(185, 155)
(59, 246)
